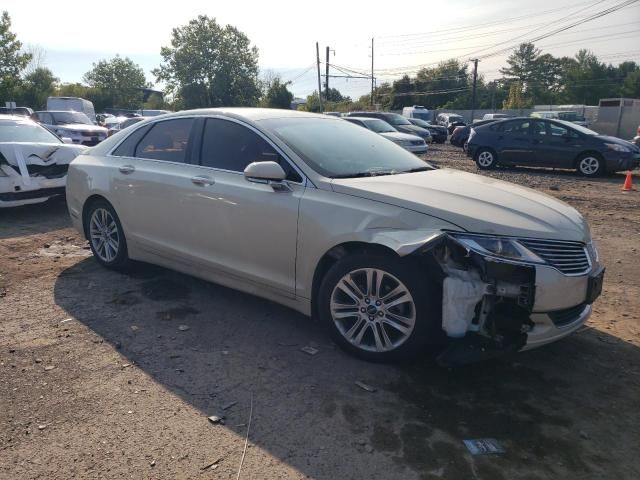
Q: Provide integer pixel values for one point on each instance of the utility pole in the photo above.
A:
(319, 83)
(326, 78)
(372, 71)
(473, 95)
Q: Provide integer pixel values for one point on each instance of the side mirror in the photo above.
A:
(67, 140)
(264, 171)
(267, 172)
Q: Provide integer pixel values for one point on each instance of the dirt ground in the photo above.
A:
(105, 375)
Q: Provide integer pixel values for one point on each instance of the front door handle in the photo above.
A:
(202, 180)
(127, 169)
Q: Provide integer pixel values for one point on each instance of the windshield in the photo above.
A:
(338, 149)
(421, 115)
(25, 132)
(570, 116)
(421, 123)
(395, 119)
(65, 118)
(378, 126)
(455, 118)
(579, 128)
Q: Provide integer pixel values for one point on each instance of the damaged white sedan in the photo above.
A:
(393, 255)
(33, 162)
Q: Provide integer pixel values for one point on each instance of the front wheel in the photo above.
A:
(590, 165)
(378, 307)
(486, 159)
(105, 234)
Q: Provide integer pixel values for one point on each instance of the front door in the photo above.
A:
(242, 228)
(514, 142)
(563, 145)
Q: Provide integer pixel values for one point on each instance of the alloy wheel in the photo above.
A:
(104, 235)
(485, 159)
(589, 165)
(373, 310)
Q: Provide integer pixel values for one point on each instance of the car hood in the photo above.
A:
(43, 154)
(396, 136)
(474, 203)
(413, 129)
(619, 141)
(83, 127)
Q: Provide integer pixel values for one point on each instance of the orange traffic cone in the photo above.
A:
(628, 183)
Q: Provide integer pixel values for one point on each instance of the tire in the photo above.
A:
(380, 327)
(590, 165)
(106, 236)
(486, 159)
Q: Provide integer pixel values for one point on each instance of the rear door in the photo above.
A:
(514, 141)
(152, 182)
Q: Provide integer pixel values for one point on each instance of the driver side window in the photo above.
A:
(230, 146)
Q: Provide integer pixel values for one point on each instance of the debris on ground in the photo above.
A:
(216, 419)
(49, 367)
(229, 405)
(309, 350)
(41, 427)
(584, 435)
(364, 386)
(483, 446)
(184, 328)
(212, 466)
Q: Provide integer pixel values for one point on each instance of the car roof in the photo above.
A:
(16, 118)
(58, 111)
(364, 119)
(249, 113)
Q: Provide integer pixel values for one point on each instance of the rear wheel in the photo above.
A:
(590, 165)
(105, 234)
(378, 307)
(486, 159)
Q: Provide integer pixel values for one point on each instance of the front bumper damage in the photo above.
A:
(493, 306)
(33, 173)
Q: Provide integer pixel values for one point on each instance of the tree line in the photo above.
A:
(210, 65)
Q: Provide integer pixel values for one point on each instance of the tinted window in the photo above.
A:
(166, 141)
(517, 127)
(25, 132)
(539, 128)
(128, 147)
(45, 118)
(230, 146)
(66, 118)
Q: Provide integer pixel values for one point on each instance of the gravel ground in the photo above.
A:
(104, 375)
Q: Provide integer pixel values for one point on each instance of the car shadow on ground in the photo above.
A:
(34, 219)
(550, 408)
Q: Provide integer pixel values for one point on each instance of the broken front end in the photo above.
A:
(502, 295)
(33, 173)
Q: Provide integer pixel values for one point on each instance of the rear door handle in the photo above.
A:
(127, 169)
(202, 180)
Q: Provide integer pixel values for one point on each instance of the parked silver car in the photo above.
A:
(411, 143)
(337, 222)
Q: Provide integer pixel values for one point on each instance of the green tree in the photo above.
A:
(277, 95)
(208, 65)
(119, 79)
(336, 96)
(631, 86)
(516, 99)
(36, 87)
(12, 61)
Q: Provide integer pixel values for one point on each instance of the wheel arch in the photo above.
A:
(85, 209)
(333, 255)
(595, 153)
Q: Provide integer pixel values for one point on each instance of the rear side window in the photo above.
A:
(167, 140)
(128, 147)
(230, 146)
(516, 127)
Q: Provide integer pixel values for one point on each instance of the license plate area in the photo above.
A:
(594, 287)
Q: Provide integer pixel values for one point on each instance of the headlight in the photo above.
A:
(498, 247)
(617, 148)
(593, 251)
(403, 143)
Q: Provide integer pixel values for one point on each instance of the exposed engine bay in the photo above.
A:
(486, 302)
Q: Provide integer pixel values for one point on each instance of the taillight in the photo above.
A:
(456, 129)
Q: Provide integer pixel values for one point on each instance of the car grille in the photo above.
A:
(567, 316)
(568, 257)
(417, 142)
(88, 133)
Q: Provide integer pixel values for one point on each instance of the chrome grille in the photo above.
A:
(568, 257)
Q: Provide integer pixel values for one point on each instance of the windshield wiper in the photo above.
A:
(418, 169)
(373, 173)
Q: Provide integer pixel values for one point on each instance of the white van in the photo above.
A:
(417, 111)
(72, 103)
